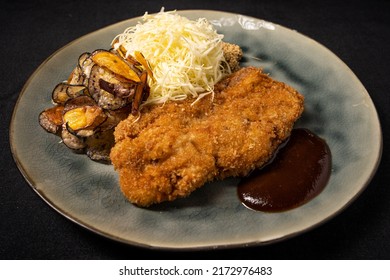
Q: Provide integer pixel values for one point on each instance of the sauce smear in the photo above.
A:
(299, 171)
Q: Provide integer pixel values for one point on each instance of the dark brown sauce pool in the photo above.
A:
(299, 172)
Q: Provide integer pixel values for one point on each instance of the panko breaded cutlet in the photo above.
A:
(177, 147)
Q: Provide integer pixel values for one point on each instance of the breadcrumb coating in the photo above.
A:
(175, 148)
(232, 54)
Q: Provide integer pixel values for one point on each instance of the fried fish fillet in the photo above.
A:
(177, 147)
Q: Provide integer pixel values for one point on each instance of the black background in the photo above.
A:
(356, 31)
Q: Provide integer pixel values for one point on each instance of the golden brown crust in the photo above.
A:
(232, 54)
(177, 147)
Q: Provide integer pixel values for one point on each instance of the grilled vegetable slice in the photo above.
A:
(140, 57)
(139, 93)
(77, 77)
(122, 90)
(79, 101)
(64, 91)
(115, 64)
(99, 145)
(103, 89)
(86, 63)
(72, 141)
(51, 119)
(80, 73)
(84, 117)
(114, 117)
(102, 97)
(131, 61)
(82, 58)
(84, 133)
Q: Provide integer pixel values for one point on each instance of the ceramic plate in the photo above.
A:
(338, 108)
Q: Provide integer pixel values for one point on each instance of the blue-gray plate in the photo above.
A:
(337, 108)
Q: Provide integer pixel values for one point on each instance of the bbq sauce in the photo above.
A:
(298, 172)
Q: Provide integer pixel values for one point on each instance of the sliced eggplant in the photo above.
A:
(87, 132)
(51, 119)
(84, 118)
(76, 77)
(86, 66)
(139, 93)
(109, 101)
(76, 90)
(64, 91)
(72, 141)
(115, 64)
(99, 146)
(140, 57)
(122, 90)
(82, 58)
(79, 101)
(130, 60)
(102, 90)
(102, 97)
(114, 117)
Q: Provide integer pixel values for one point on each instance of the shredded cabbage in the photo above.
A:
(185, 56)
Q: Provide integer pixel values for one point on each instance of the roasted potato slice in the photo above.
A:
(115, 64)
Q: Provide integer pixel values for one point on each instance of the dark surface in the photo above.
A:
(356, 31)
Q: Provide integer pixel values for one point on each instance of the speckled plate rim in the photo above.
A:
(65, 213)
